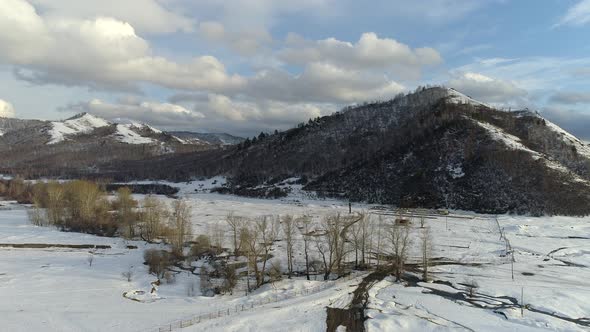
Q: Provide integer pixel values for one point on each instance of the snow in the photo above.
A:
(86, 123)
(54, 289)
(142, 126)
(456, 171)
(515, 143)
(551, 285)
(569, 139)
(509, 140)
(180, 140)
(82, 124)
(125, 134)
(457, 97)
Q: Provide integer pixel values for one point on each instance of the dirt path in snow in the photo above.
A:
(353, 317)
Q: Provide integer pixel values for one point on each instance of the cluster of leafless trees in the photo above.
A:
(84, 206)
(332, 246)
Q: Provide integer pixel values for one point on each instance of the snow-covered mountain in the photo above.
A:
(83, 141)
(83, 123)
(433, 148)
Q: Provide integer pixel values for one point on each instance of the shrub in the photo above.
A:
(158, 261)
(201, 246)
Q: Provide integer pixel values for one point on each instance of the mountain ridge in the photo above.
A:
(432, 148)
(83, 144)
(435, 147)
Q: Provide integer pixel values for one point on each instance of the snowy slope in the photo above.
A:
(571, 140)
(81, 124)
(457, 97)
(143, 126)
(126, 134)
(132, 133)
(509, 140)
(515, 143)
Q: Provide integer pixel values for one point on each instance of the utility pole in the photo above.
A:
(521, 301)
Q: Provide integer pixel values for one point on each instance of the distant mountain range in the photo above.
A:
(84, 143)
(211, 138)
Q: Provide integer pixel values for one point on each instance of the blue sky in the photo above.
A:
(242, 66)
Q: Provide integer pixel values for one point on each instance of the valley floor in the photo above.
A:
(56, 289)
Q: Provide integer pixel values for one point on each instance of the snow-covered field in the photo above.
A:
(55, 289)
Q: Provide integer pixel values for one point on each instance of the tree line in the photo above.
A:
(84, 206)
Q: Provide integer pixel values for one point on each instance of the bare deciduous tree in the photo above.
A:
(378, 228)
(288, 225)
(355, 237)
(267, 228)
(250, 240)
(303, 223)
(158, 261)
(126, 216)
(153, 214)
(55, 203)
(360, 238)
(399, 237)
(332, 245)
(235, 225)
(426, 247)
(259, 239)
(217, 236)
(180, 224)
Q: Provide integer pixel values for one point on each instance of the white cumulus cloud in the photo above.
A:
(101, 52)
(147, 16)
(487, 89)
(369, 52)
(6, 109)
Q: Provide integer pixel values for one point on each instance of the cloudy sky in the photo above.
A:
(242, 66)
